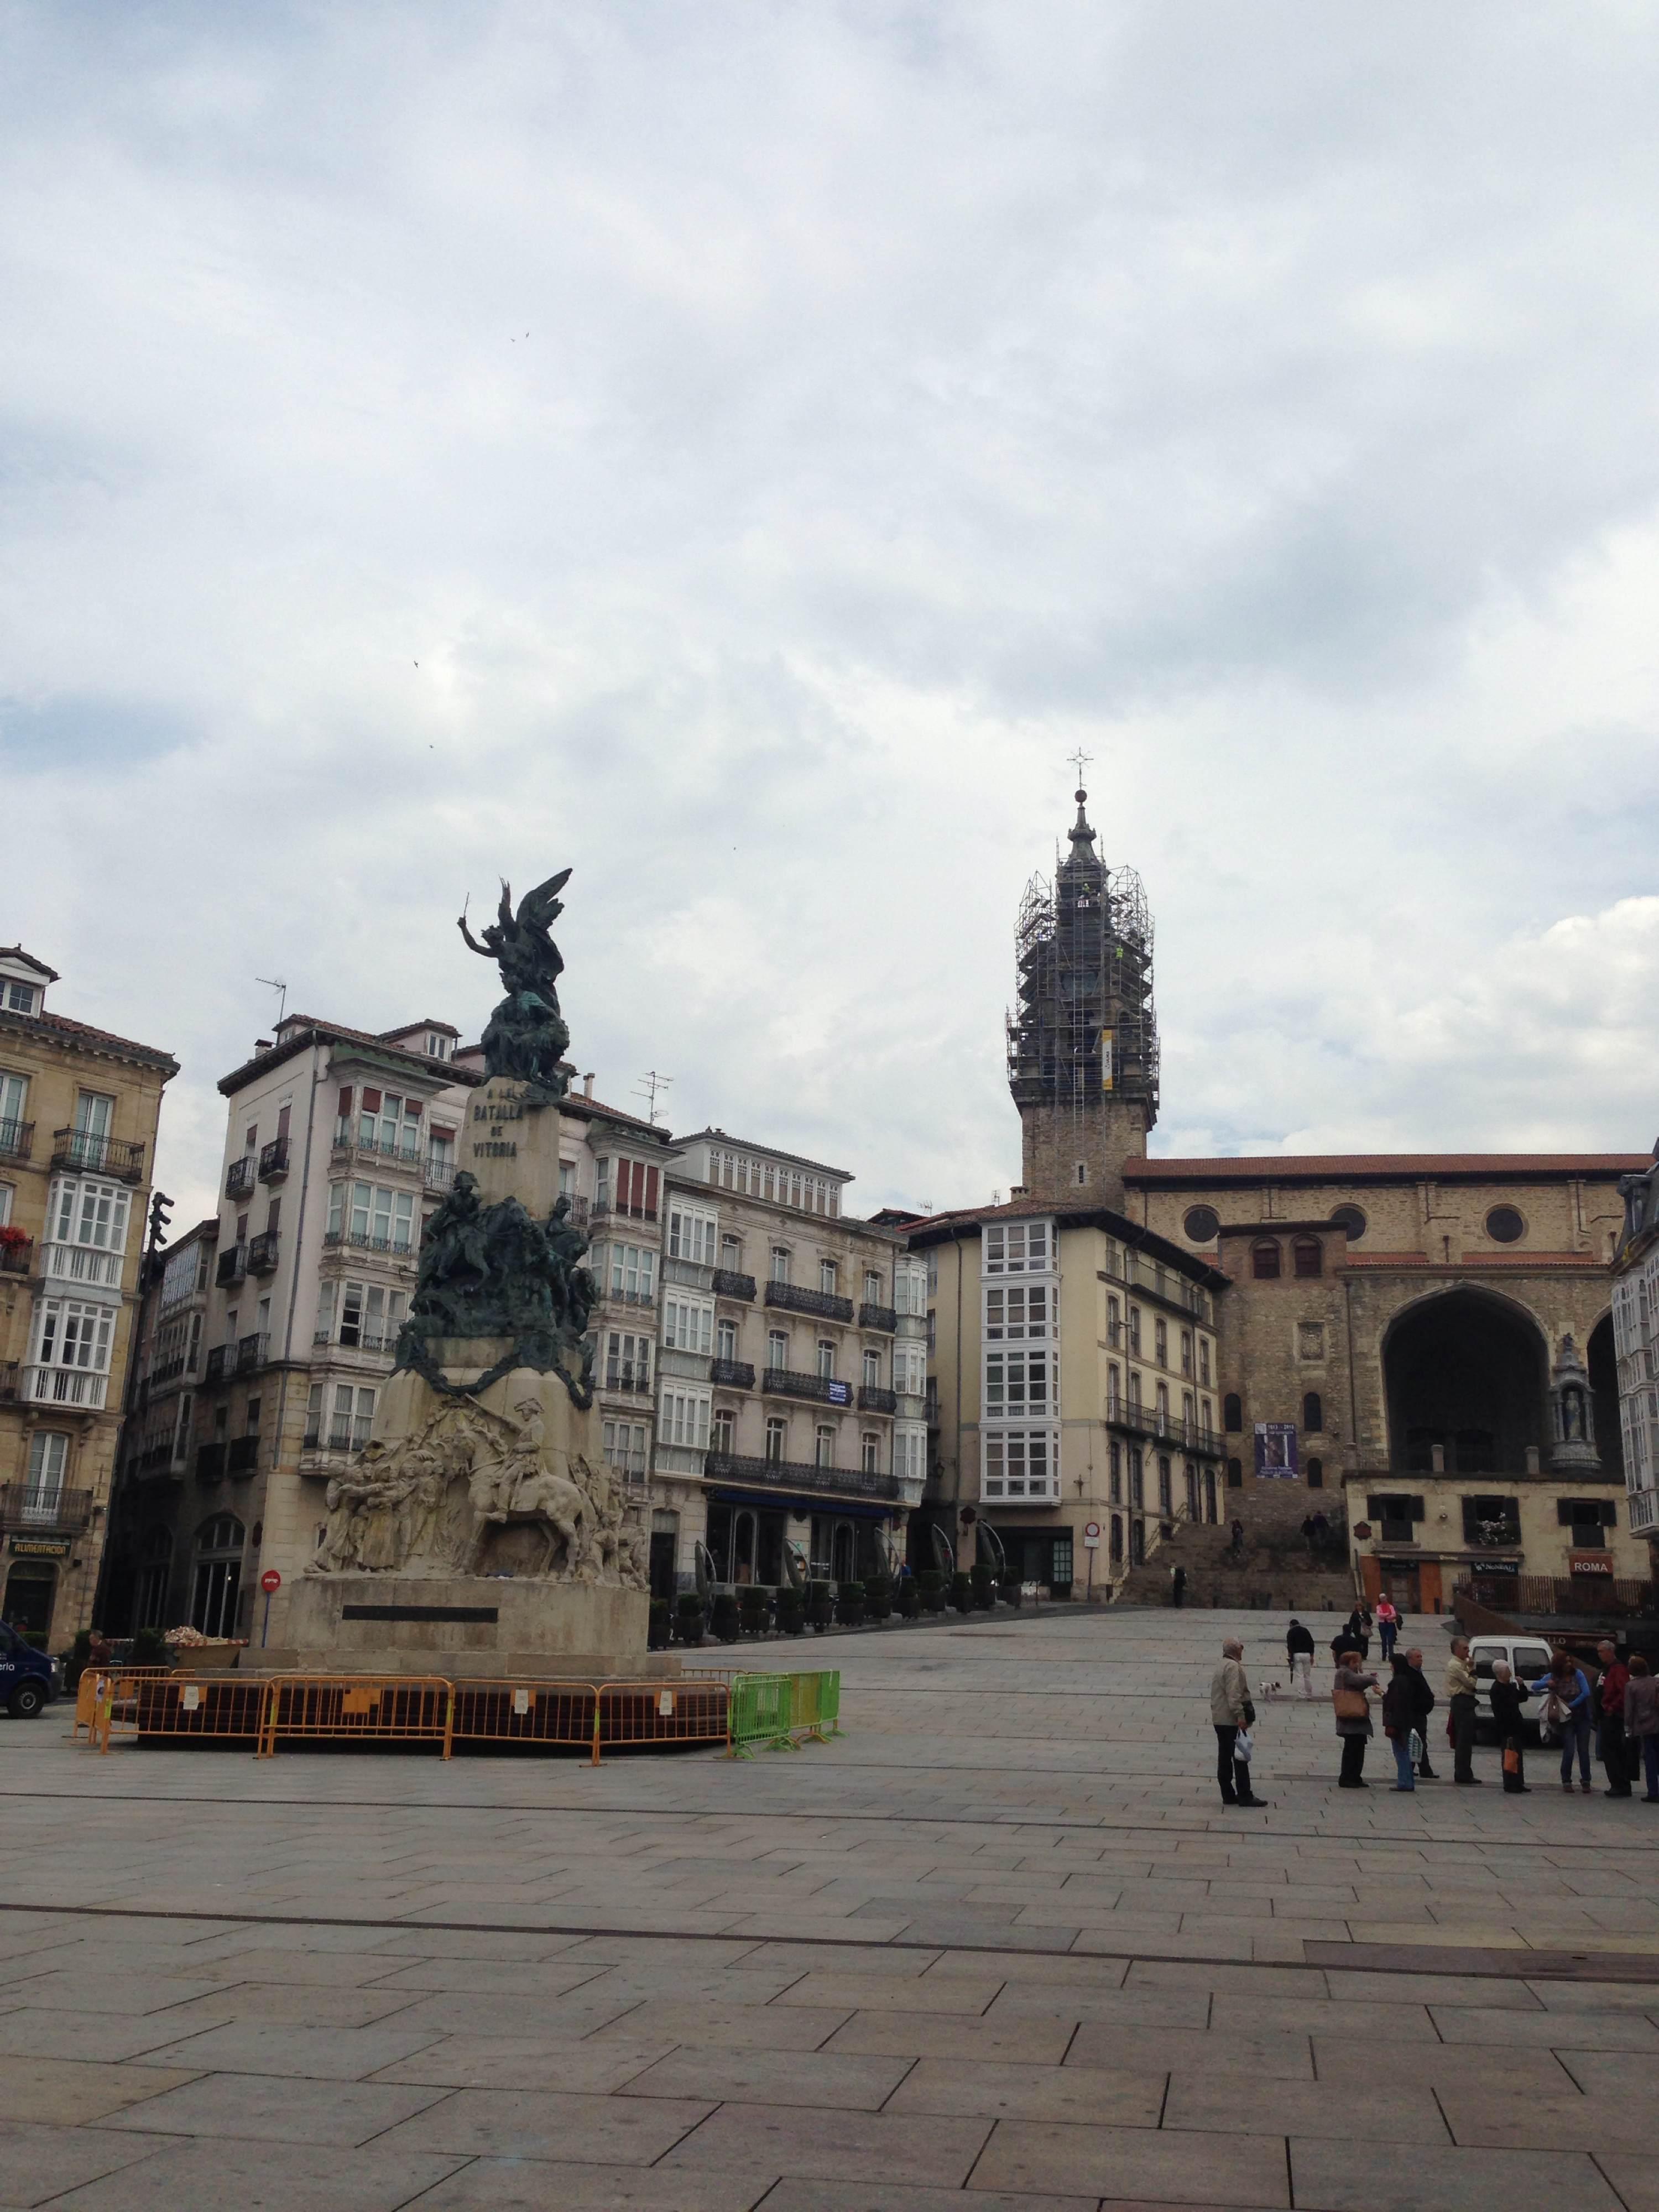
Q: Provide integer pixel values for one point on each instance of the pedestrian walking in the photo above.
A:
(1611, 1746)
(1360, 1633)
(1346, 1639)
(1299, 1649)
(1177, 1585)
(1398, 1722)
(1506, 1698)
(1387, 1626)
(1642, 1722)
(1424, 1706)
(1460, 1698)
(1231, 1709)
(1567, 1707)
(1354, 1718)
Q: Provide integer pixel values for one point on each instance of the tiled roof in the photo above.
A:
(301, 1029)
(151, 1055)
(1134, 1233)
(767, 1151)
(1346, 1167)
(17, 952)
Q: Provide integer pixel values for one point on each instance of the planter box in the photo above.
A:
(203, 1658)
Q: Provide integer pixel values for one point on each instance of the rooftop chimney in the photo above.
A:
(587, 1087)
(263, 1044)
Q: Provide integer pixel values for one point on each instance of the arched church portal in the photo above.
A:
(1469, 1373)
(1602, 1362)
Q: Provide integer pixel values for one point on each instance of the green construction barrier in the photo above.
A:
(759, 1712)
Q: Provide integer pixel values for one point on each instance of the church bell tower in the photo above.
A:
(1083, 1038)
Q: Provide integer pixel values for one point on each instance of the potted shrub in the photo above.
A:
(984, 1580)
(930, 1586)
(792, 1612)
(659, 1625)
(820, 1605)
(688, 1617)
(755, 1609)
(849, 1604)
(878, 1597)
(723, 1620)
(909, 1598)
(961, 1591)
(148, 1648)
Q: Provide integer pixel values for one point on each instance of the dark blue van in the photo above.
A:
(28, 1679)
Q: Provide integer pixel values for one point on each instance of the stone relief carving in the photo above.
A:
(431, 1505)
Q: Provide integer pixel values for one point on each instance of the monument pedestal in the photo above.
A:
(463, 1625)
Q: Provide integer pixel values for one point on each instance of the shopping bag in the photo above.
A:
(1414, 1747)
(1243, 1745)
(1512, 1757)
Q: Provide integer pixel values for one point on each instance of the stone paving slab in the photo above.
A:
(1026, 1967)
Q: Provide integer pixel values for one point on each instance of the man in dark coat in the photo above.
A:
(1506, 1698)
(1423, 1705)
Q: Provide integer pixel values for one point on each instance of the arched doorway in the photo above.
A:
(1467, 1373)
(218, 1575)
(1600, 1358)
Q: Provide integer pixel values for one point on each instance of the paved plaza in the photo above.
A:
(999, 1946)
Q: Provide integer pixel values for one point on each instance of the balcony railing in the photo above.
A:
(81, 1263)
(604, 1208)
(786, 1382)
(62, 1511)
(882, 1317)
(16, 1138)
(65, 1386)
(404, 1150)
(169, 1371)
(221, 1363)
(240, 1176)
(252, 1352)
(802, 1474)
(872, 1400)
(82, 1153)
(438, 1175)
(16, 1255)
(262, 1251)
(735, 1374)
(823, 1304)
(273, 1160)
(158, 1460)
(242, 1455)
(351, 1437)
(1559, 1594)
(626, 1463)
(356, 1340)
(209, 1462)
(359, 1240)
(623, 1377)
(614, 1298)
(232, 1267)
(1167, 1428)
(728, 1284)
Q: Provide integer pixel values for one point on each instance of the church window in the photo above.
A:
(1082, 1171)
(1504, 1225)
(1265, 1259)
(1202, 1225)
(1350, 1219)
(1232, 1412)
(1313, 1413)
(1306, 1258)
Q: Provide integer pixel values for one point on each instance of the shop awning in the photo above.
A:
(842, 1508)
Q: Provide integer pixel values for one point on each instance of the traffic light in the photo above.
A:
(160, 1207)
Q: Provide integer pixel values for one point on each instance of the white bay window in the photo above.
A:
(1020, 1463)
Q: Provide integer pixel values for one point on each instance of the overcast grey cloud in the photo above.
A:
(741, 451)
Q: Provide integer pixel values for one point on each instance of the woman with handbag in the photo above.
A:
(1567, 1708)
(1354, 1718)
(1399, 1718)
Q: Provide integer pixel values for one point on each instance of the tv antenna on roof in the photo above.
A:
(648, 1089)
(275, 983)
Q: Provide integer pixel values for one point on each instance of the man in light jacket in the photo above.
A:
(1460, 1690)
(1230, 1709)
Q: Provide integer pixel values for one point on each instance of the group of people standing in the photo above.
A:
(1619, 1707)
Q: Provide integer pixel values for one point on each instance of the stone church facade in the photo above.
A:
(1422, 1340)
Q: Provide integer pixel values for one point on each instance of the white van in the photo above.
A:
(1529, 1656)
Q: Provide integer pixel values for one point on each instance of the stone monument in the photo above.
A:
(480, 1530)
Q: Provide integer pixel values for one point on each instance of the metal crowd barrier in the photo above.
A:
(737, 1709)
(119, 1685)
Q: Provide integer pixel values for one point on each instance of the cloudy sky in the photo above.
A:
(742, 451)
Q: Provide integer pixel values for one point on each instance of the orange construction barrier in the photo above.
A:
(403, 1709)
(119, 1684)
(532, 1712)
(186, 1709)
(628, 1715)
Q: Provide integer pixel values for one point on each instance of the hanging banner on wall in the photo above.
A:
(1107, 1070)
(1275, 1449)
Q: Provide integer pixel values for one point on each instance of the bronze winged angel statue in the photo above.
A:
(526, 1037)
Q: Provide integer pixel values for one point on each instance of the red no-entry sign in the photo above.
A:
(271, 1580)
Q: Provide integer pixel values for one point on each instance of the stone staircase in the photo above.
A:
(1275, 1570)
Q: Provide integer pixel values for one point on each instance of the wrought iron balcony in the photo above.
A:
(802, 1474)
(273, 1160)
(169, 1371)
(614, 1297)
(823, 1303)
(82, 1153)
(46, 1510)
(604, 1208)
(158, 1460)
(882, 1317)
(242, 1455)
(16, 1139)
(221, 1363)
(727, 1283)
(404, 1151)
(735, 1374)
(262, 1252)
(232, 1267)
(209, 1462)
(872, 1400)
(252, 1352)
(635, 1380)
(356, 1340)
(16, 1254)
(240, 1176)
(438, 1175)
(784, 1382)
(359, 1240)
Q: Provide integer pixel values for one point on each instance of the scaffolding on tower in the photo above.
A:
(1085, 1026)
